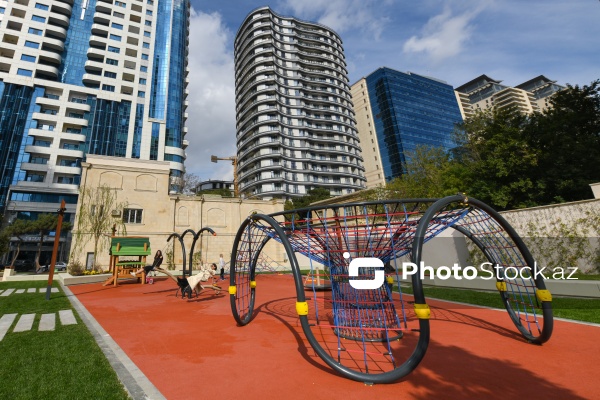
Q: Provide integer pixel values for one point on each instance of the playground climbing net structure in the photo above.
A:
(380, 335)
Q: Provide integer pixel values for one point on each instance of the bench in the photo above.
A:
(127, 246)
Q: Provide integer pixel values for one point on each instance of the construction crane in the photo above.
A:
(233, 160)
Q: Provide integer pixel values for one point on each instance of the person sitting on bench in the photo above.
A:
(158, 259)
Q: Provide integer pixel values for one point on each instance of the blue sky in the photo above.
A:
(452, 40)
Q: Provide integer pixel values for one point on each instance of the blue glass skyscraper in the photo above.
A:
(397, 112)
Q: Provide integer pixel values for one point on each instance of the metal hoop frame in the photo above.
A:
(243, 285)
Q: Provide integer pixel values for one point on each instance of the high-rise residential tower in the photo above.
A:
(484, 92)
(398, 111)
(295, 123)
(84, 77)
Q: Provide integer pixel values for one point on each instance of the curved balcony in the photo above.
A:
(62, 8)
(102, 7)
(47, 70)
(62, 169)
(54, 44)
(69, 153)
(101, 18)
(94, 66)
(75, 121)
(42, 133)
(57, 31)
(76, 106)
(50, 57)
(58, 19)
(96, 40)
(94, 53)
(45, 101)
(100, 30)
(34, 167)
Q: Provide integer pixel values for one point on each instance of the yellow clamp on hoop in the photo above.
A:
(302, 307)
(232, 290)
(422, 311)
(501, 286)
(390, 280)
(543, 295)
(252, 284)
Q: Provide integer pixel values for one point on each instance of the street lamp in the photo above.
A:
(233, 160)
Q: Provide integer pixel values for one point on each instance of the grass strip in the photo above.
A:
(586, 310)
(62, 364)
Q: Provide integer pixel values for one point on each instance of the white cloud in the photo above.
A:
(211, 110)
(343, 15)
(444, 35)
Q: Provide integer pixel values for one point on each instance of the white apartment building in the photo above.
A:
(295, 122)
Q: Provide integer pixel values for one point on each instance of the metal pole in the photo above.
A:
(61, 213)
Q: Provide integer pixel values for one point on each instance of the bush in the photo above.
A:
(76, 268)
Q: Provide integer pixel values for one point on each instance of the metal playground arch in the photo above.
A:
(380, 335)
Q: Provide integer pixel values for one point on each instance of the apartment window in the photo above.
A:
(115, 37)
(37, 18)
(147, 34)
(120, 4)
(148, 23)
(144, 56)
(142, 81)
(28, 58)
(151, 2)
(117, 26)
(41, 6)
(148, 12)
(34, 31)
(113, 49)
(108, 88)
(132, 215)
(110, 61)
(110, 74)
(141, 94)
(33, 45)
(2, 9)
(143, 69)
(24, 72)
(146, 45)
(118, 14)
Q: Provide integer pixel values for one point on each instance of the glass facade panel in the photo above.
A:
(410, 110)
(77, 42)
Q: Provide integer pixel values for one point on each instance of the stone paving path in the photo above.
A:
(25, 322)
(8, 292)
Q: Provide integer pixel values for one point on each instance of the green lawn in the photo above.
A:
(63, 364)
(587, 310)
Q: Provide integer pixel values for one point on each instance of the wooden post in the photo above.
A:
(61, 213)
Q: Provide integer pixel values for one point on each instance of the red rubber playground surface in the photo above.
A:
(193, 349)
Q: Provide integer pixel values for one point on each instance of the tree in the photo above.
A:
(190, 183)
(311, 196)
(17, 229)
(430, 173)
(567, 136)
(499, 159)
(42, 226)
(94, 218)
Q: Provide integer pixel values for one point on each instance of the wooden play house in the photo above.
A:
(127, 255)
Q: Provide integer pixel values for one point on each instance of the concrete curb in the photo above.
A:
(135, 382)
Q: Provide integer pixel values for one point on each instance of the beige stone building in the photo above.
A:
(151, 211)
(366, 133)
